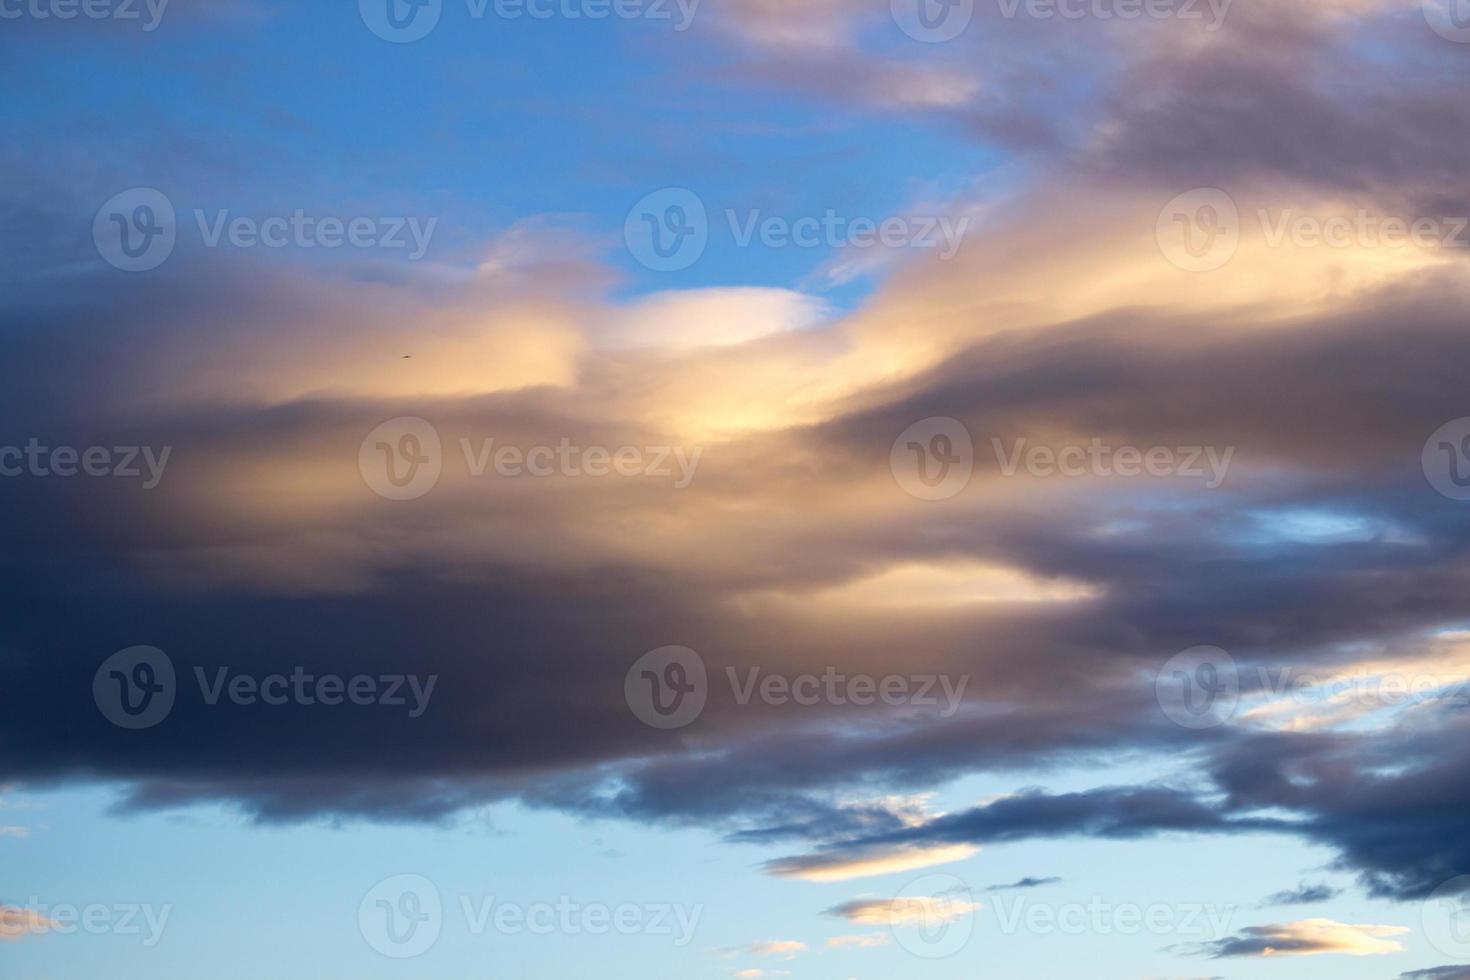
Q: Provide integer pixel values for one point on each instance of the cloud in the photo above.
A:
(530, 598)
(1308, 937)
(1027, 882)
(1303, 894)
(786, 948)
(16, 922)
(865, 941)
(867, 863)
(903, 911)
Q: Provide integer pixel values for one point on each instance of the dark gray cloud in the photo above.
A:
(1303, 894)
(1027, 882)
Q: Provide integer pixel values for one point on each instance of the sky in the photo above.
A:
(842, 489)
